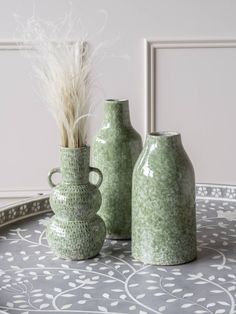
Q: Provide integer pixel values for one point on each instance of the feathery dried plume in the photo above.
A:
(65, 70)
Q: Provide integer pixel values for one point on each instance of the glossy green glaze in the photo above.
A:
(75, 232)
(163, 203)
(115, 151)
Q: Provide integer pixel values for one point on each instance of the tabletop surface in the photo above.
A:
(32, 280)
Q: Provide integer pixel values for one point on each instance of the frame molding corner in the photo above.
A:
(151, 46)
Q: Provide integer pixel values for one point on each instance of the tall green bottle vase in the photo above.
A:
(115, 150)
(163, 202)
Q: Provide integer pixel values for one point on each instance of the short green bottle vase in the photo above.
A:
(163, 202)
(115, 151)
(75, 232)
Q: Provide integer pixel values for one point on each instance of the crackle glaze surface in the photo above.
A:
(76, 231)
(33, 280)
(163, 203)
(115, 151)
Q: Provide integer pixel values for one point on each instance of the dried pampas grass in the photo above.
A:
(65, 71)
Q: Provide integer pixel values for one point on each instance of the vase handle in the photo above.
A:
(100, 176)
(51, 172)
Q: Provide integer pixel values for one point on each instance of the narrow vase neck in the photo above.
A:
(117, 113)
(75, 164)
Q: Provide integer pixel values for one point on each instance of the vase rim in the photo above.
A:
(84, 147)
(164, 134)
(112, 100)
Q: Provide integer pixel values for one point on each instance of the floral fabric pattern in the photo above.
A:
(33, 280)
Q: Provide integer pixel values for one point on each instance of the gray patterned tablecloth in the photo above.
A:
(32, 280)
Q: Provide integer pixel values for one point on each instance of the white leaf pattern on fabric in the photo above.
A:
(32, 279)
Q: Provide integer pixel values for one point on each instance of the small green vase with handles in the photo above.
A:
(75, 232)
(115, 150)
(163, 202)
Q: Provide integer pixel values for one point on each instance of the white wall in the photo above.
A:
(28, 135)
(196, 95)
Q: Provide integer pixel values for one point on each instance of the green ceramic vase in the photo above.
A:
(163, 202)
(75, 232)
(115, 151)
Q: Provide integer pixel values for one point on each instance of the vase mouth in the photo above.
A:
(116, 100)
(164, 134)
(81, 148)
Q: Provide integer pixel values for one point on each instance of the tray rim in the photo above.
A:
(37, 205)
(41, 204)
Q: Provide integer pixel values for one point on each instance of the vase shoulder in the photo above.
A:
(75, 201)
(168, 160)
(109, 134)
